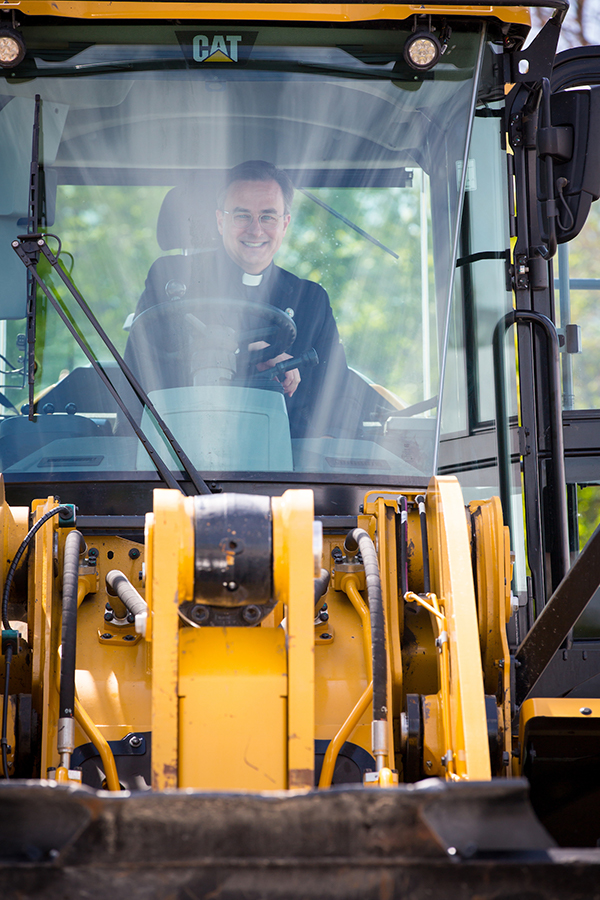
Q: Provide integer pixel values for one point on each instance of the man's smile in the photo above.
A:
(253, 223)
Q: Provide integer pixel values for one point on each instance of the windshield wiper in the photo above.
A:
(291, 66)
(348, 222)
(32, 226)
(28, 248)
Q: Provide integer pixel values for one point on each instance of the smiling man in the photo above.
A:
(252, 217)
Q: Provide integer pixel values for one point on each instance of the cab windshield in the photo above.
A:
(327, 360)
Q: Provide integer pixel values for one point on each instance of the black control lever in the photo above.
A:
(309, 358)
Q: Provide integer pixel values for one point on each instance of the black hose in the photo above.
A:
(74, 546)
(402, 546)
(321, 585)
(4, 740)
(359, 538)
(25, 543)
(121, 586)
(6, 624)
(424, 544)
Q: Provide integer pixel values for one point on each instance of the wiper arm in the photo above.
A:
(27, 248)
(348, 222)
(32, 225)
(260, 65)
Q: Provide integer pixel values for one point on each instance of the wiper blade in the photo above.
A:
(27, 254)
(348, 222)
(258, 65)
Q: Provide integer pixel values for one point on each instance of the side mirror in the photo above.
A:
(569, 177)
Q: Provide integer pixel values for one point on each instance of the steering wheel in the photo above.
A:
(168, 334)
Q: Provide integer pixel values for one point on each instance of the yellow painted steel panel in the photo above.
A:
(293, 577)
(452, 581)
(232, 709)
(172, 584)
(264, 12)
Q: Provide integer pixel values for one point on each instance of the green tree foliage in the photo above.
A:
(109, 243)
(584, 262)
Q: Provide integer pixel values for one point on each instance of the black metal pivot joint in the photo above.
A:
(233, 579)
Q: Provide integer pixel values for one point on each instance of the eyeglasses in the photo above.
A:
(242, 220)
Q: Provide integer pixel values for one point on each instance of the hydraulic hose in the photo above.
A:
(321, 585)
(120, 586)
(359, 539)
(58, 510)
(402, 545)
(420, 500)
(74, 547)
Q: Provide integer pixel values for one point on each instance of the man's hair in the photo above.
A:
(259, 170)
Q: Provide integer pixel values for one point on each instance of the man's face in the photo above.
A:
(250, 239)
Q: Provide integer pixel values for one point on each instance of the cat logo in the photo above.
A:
(216, 48)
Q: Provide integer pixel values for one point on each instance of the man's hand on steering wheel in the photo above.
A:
(292, 378)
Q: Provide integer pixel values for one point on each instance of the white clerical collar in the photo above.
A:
(252, 280)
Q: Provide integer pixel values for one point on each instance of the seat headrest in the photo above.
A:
(186, 220)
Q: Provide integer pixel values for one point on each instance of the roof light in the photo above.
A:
(12, 47)
(422, 50)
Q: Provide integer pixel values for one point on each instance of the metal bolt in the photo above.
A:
(135, 740)
(108, 606)
(199, 614)
(585, 711)
(231, 585)
(109, 615)
(324, 616)
(130, 618)
(106, 636)
(93, 552)
(129, 637)
(325, 636)
(41, 242)
(251, 614)
(134, 553)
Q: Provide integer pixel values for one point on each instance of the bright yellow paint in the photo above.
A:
(232, 709)
(293, 574)
(172, 583)
(14, 524)
(452, 582)
(343, 735)
(342, 666)
(101, 744)
(493, 572)
(113, 676)
(264, 12)
(44, 623)
(350, 585)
